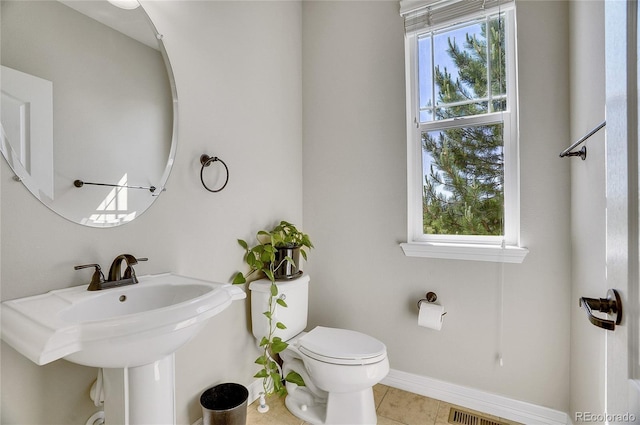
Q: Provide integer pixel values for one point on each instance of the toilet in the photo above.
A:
(339, 366)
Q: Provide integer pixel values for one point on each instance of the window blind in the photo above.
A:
(419, 14)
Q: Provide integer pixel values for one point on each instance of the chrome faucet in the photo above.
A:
(115, 276)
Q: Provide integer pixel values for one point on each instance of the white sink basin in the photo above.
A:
(114, 328)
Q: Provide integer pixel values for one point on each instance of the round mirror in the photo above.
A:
(88, 107)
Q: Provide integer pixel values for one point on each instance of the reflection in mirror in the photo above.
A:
(87, 94)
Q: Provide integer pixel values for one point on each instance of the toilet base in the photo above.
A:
(357, 408)
(306, 408)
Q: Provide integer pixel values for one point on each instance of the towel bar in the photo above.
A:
(582, 153)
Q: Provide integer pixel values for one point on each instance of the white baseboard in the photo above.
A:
(255, 388)
(470, 398)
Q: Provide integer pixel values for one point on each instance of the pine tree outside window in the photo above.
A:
(462, 131)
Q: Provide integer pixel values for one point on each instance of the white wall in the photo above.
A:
(238, 75)
(588, 204)
(355, 209)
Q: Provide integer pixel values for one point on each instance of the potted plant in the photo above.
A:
(290, 243)
(276, 255)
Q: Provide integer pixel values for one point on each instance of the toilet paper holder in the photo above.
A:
(430, 297)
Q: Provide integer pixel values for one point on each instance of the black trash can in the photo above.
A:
(224, 404)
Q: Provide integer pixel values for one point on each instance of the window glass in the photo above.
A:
(463, 190)
(461, 70)
(462, 97)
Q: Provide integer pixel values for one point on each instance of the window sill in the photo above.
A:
(473, 252)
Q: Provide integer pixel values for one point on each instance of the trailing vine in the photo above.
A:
(262, 258)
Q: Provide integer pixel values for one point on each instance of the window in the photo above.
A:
(462, 131)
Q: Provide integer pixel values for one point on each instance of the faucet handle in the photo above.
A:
(132, 260)
(85, 266)
(129, 272)
(97, 279)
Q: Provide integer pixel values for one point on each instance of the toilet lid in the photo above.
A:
(341, 346)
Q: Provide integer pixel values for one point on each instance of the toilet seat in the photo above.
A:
(341, 346)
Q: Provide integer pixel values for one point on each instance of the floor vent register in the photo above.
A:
(459, 417)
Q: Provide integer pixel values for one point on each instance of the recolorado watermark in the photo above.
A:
(605, 417)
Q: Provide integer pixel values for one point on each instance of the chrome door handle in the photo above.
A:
(610, 305)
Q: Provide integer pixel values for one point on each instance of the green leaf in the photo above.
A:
(252, 261)
(278, 347)
(265, 257)
(264, 341)
(268, 314)
(281, 302)
(304, 254)
(274, 289)
(276, 239)
(277, 380)
(282, 392)
(243, 244)
(262, 360)
(280, 325)
(239, 279)
(270, 275)
(278, 388)
(261, 374)
(295, 378)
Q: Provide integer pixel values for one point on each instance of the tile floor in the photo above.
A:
(394, 407)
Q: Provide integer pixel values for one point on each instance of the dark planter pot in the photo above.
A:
(288, 270)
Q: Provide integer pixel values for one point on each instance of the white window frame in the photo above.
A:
(465, 247)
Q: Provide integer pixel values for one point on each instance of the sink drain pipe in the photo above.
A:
(97, 390)
(96, 393)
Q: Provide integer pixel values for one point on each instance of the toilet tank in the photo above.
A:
(294, 316)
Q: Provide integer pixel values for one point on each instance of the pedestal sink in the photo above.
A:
(131, 332)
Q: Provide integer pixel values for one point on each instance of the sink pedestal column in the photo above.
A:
(142, 395)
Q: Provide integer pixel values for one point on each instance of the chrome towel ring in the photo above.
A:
(206, 160)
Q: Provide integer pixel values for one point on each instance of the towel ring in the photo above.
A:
(206, 160)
